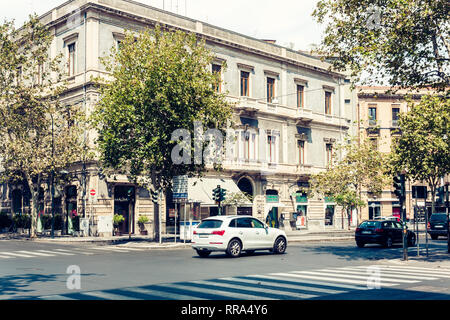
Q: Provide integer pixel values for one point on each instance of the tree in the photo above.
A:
(422, 151)
(360, 169)
(403, 42)
(160, 82)
(39, 134)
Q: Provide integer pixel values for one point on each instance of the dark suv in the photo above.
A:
(437, 226)
(385, 233)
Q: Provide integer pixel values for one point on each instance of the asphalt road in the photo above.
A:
(315, 270)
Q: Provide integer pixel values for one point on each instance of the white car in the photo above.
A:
(234, 234)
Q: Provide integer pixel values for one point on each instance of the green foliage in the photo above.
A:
(403, 42)
(142, 220)
(362, 167)
(22, 221)
(161, 81)
(118, 219)
(39, 134)
(237, 198)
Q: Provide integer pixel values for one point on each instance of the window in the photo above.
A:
(210, 224)
(257, 224)
(217, 70)
(271, 148)
(301, 152)
(72, 61)
(372, 115)
(245, 83)
(244, 223)
(270, 89)
(329, 154)
(327, 102)
(395, 113)
(300, 96)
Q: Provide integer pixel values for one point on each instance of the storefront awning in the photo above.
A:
(201, 190)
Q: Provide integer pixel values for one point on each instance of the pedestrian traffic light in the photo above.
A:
(399, 187)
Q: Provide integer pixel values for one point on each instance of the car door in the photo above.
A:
(262, 237)
(398, 231)
(246, 233)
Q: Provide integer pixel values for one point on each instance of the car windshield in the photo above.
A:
(210, 224)
(438, 217)
(370, 224)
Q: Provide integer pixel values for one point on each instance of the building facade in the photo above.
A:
(378, 113)
(291, 110)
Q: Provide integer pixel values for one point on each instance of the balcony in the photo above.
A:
(373, 127)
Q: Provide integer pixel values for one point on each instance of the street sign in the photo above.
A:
(92, 192)
(180, 188)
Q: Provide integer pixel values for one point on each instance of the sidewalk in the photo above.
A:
(169, 240)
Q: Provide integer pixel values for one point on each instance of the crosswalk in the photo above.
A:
(293, 285)
(38, 253)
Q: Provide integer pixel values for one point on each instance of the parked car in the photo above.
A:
(234, 234)
(437, 226)
(382, 232)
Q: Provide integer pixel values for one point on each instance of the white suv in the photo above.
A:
(234, 234)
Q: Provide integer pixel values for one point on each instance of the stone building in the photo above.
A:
(291, 111)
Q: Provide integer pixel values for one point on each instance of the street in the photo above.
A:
(310, 270)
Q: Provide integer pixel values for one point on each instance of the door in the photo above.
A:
(272, 218)
(398, 231)
(263, 238)
(247, 233)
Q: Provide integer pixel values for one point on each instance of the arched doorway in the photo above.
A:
(246, 186)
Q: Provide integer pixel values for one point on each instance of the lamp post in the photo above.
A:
(448, 215)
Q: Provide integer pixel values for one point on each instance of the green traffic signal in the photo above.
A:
(399, 186)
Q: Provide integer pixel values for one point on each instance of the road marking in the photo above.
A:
(18, 255)
(235, 295)
(109, 249)
(36, 253)
(60, 253)
(78, 251)
(331, 279)
(414, 271)
(127, 248)
(384, 279)
(425, 270)
(5, 257)
(237, 284)
(312, 282)
(106, 295)
(55, 297)
(383, 273)
(259, 280)
(162, 294)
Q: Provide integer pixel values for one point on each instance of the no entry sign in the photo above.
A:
(92, 192)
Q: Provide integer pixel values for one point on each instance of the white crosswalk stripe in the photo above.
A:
(57, 253)
(36, 253)
(15, 254)
(299, 284)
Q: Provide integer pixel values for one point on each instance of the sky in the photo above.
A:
(289, 22)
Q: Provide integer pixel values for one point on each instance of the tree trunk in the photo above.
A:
(34, 189)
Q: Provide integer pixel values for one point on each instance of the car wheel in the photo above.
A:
(279, 246)
(412, 240)
(388, 243)
(234, 248)
(360, 244)
(203, 253)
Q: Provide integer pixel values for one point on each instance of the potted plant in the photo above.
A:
(142, 221)
(117, 221)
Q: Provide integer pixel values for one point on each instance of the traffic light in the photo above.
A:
(222, 195)
(154, 196)
(130, 194)
(216, 194)
(399, 187)
(440, 194)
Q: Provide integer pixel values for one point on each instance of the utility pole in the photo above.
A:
(448, 216)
